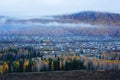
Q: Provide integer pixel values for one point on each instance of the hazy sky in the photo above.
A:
(36, 8)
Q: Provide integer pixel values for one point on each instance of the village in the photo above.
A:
(35, 53)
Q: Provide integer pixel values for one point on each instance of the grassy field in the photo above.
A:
(63, 75)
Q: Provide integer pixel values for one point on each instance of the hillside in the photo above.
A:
(86, 23)
(92, 17)
(69, 75)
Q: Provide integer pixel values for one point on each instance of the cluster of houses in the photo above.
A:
(52, 47)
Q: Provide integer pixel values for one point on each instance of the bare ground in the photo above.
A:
(63, 75)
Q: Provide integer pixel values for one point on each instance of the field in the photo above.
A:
(63, 75)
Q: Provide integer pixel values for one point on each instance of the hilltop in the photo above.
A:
(91, 17)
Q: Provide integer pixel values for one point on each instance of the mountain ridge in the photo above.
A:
(92, 17)
(82, 23)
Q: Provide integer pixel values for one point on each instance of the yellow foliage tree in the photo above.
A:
(5, 67)
(46, 64)
(16, 65)
(52, 65)
(60, 64)
(25, 65)
(1, 69)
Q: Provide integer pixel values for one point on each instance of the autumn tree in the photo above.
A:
(16, 65)
(1, 69)
(25, 65)
(5, 67)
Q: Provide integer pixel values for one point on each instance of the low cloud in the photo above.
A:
(56, 24)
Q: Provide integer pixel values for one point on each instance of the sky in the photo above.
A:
(37, 8)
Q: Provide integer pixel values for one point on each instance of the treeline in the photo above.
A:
(29, 59)
(16, 53)
(58, 64)
(38, 64)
